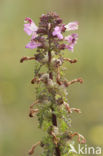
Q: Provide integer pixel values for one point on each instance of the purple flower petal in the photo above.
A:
(34, 35)
(70, 47)
(71, 26)
(30, 26)
(27, 30)
(72, 40)
(57, 32)
(60, 36)
(33, 45)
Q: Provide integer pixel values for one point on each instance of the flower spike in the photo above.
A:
(51, 105)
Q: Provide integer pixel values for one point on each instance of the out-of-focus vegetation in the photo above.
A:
(17, 131)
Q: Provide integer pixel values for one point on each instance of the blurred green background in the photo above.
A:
(17, 131)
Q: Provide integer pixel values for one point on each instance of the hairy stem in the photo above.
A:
(54, 121)
(54, 118)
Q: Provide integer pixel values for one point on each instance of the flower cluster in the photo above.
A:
(52, 105)
(32, 30)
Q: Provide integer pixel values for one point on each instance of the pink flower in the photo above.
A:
(30, 28)
(57, 32)
(70, 47)
(33, 44)
(72, 40)
(71, 26)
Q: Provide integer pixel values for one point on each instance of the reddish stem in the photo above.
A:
(54, 118)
